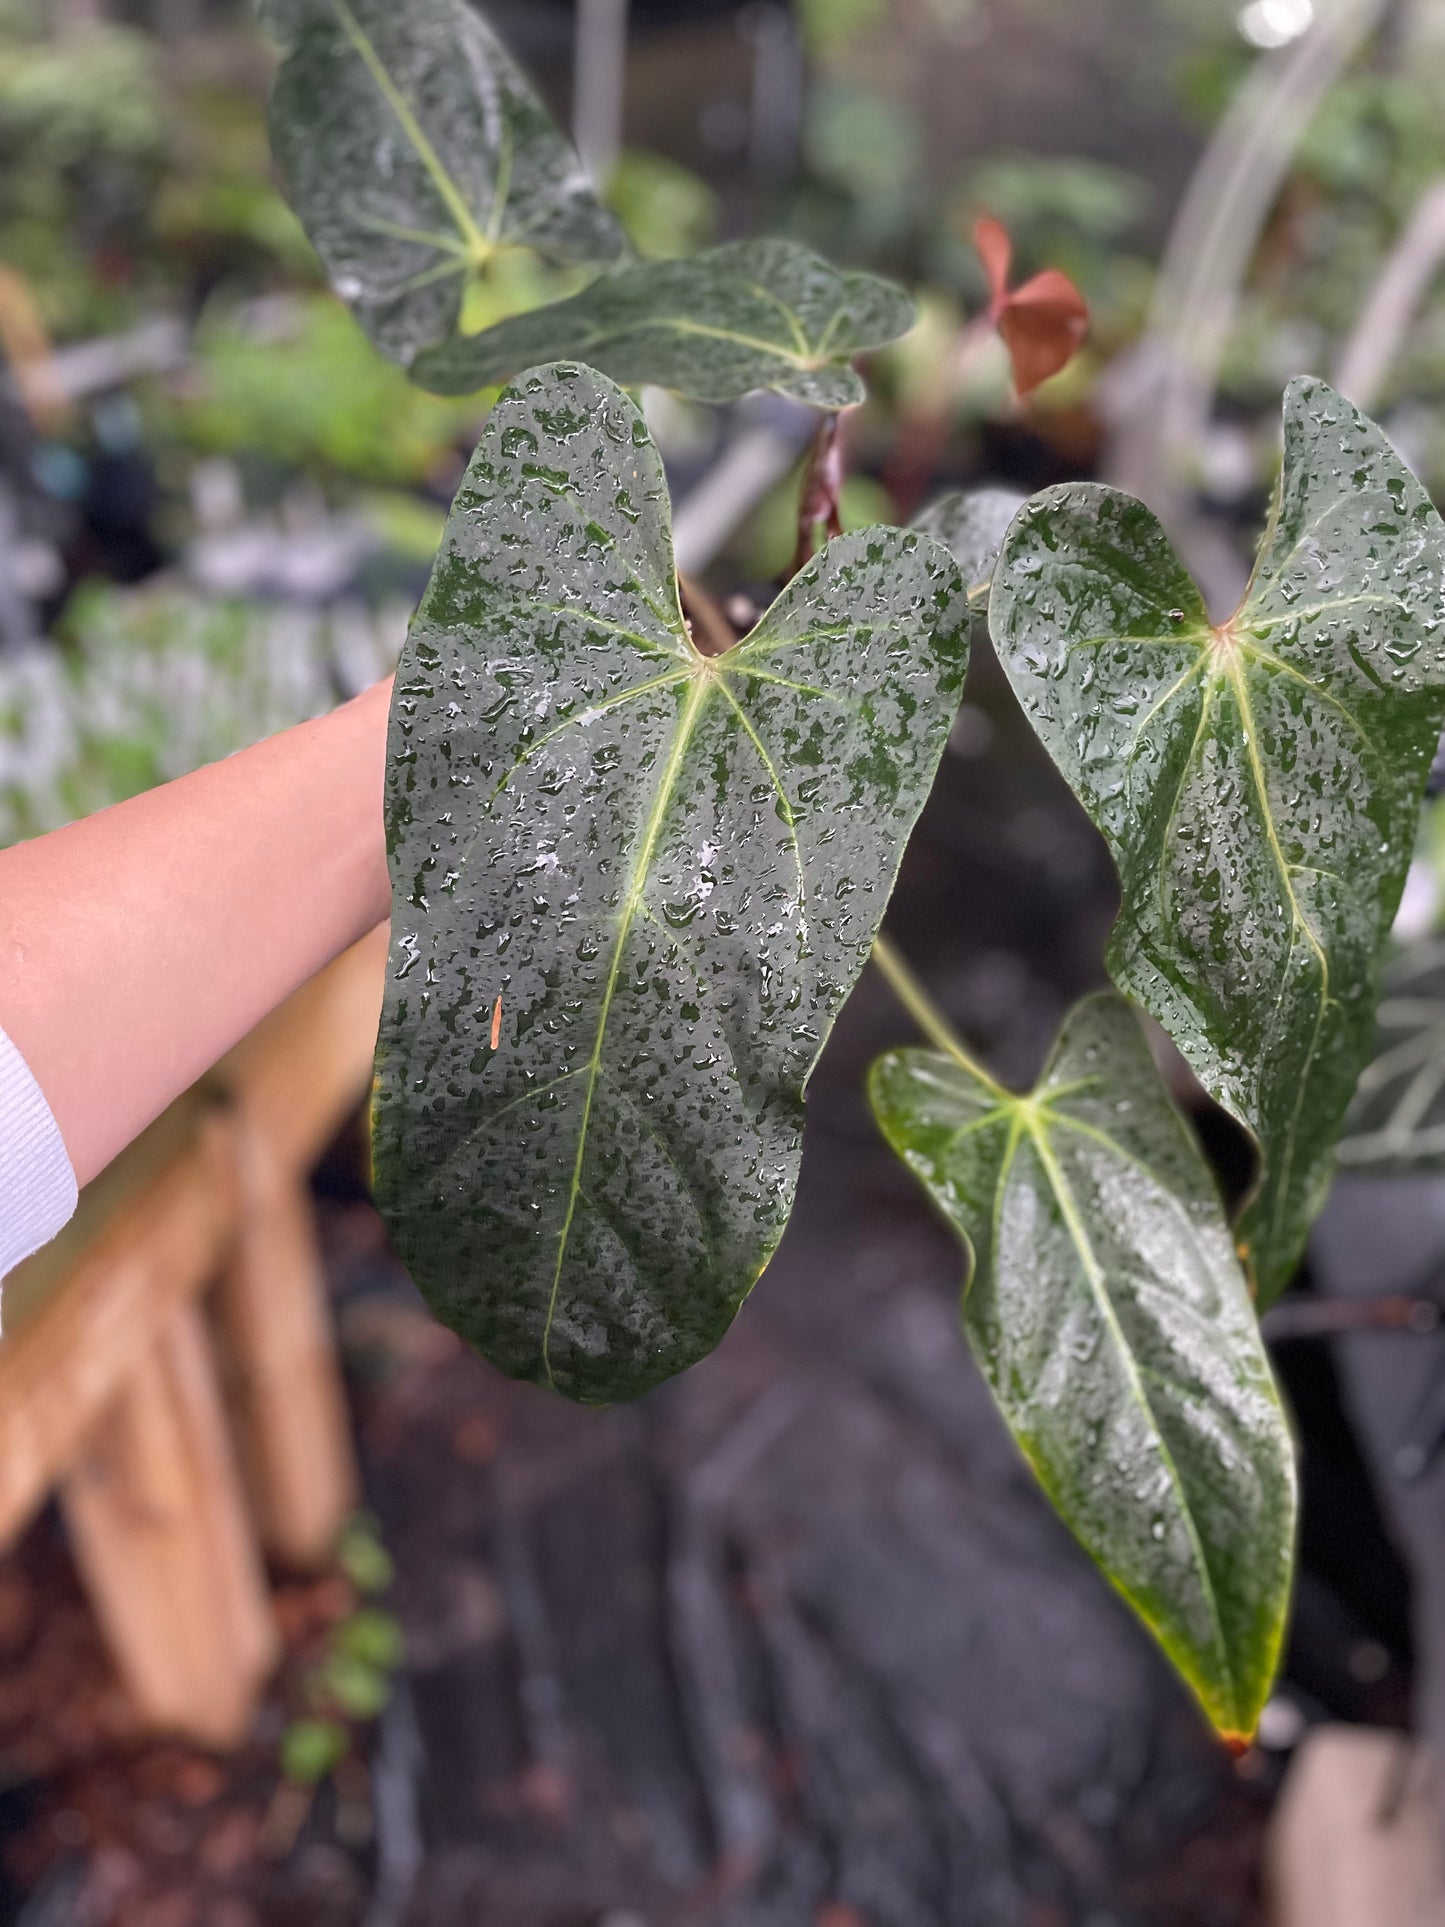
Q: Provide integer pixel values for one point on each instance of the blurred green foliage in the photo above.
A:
(362, 1556)
(309, 392)
(349, 1682)
(666, 209)
(311, 1749)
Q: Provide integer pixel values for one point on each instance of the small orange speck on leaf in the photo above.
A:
(497, 1021)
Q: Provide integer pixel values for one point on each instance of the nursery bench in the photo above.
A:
(168, 1368)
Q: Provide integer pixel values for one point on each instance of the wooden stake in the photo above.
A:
(280, 1364)
(158, 1522)
(82, 1316)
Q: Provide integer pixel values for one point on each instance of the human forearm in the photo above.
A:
(137, 946)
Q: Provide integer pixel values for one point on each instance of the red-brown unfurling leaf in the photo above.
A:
(1043, 324)
(996, 251)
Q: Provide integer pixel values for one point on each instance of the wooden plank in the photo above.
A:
(71, 1355)
(158, 1523)
(280, 1366)
(152, 1229)
(297, 1076)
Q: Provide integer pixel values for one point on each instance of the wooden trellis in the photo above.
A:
(168, 1366)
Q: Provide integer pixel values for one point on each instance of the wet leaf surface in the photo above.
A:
(1112, 1321)
(413, 151)
(1259, 784)
(971, 524)
(1396, 1124)
(754, 314)
(670, 867)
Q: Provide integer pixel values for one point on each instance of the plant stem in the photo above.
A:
(925, 1013)
(818, 503)
(712, 632)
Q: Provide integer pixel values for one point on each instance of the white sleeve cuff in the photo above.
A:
(37, 1184)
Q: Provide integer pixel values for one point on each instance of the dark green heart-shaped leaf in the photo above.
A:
(1259, 783)
(1112, 1321)
(971, 525)
(669, 867)
(755, 314)
(413, 150)
(1396, 1124)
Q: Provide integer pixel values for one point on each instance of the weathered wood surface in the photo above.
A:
(152, 1231)
(110, 1386)
(96, 1303)
(278, 1355)
(158, 1523)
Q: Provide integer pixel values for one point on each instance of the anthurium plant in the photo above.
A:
(639, 865)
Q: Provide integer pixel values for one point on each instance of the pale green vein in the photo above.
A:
(692, 708)
(712, 331)
(1093, 1272)
(1302, 924)
(1313, 611)
(802, 688)
(998, 1115)
(1137, 735)
(443, 271)
(584, 716)
(790, 816)
(800, 340)
(1005, 1171)
(752, 648)
(424, 237)
(580, 720)
(464, 1151)
(1160, 869)
(651, 644)
(1197, 639)
(1267, 659)
(825, 340)
(502, 187)
(446, 188)
(1245, 704)
(1067, 1122)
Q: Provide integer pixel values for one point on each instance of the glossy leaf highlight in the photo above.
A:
(1108, 1312)
(1259, 783)
(670, 867)
(754, 314)
(413, 151)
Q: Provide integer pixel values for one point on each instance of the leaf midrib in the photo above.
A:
(477, 244)
(1079, 1236)
(1226, 666)
(604, 335)
(697, 696)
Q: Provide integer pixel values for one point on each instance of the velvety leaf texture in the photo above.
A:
(1259, 783)
(754, 314)
(1396, 1124)
(1112, 1321)
(412, 149)
(669, 867)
